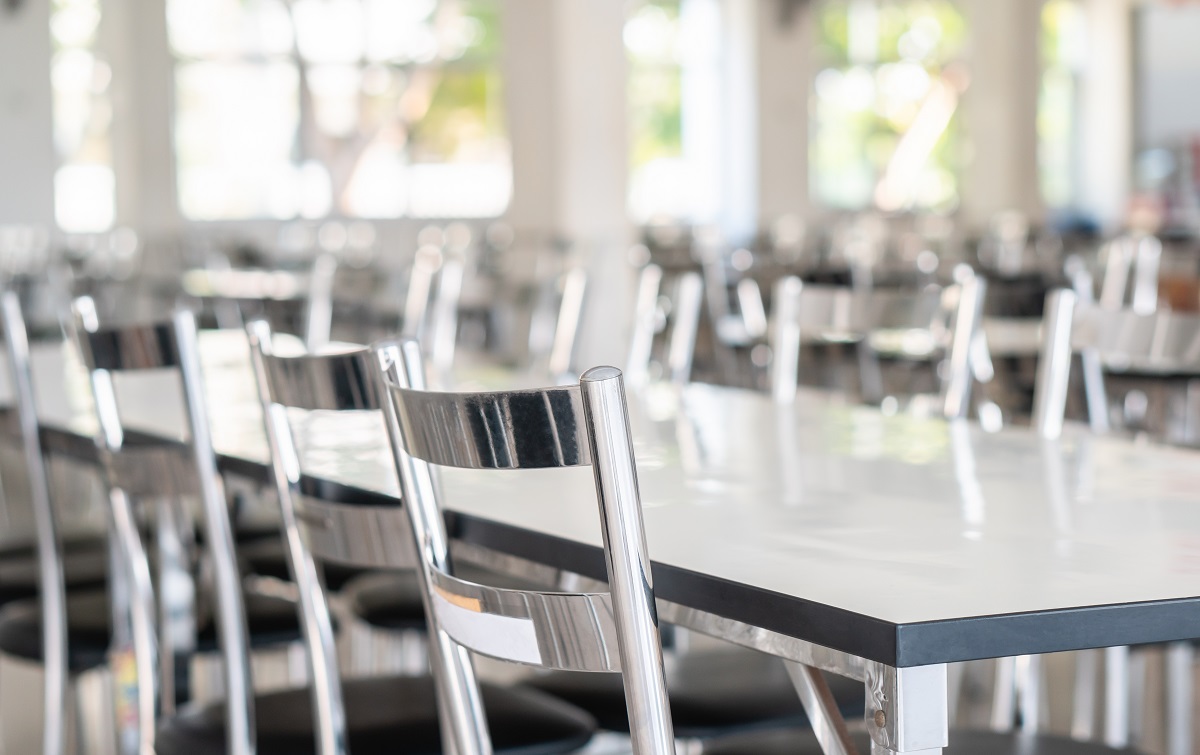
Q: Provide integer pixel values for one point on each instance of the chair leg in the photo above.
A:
(1180, 703)
(1004, 697)
(1083, 719)
(1116, 696)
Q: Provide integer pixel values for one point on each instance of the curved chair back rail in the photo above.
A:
(322, 382)
(564, 631)
(579, 425)
(137, 347)
(527, 429)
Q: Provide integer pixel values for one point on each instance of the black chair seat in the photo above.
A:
(385, 715)
(272, 621)
(88, 633)
(962, 742)
(712, 693)
(267, 557)
(85, 564)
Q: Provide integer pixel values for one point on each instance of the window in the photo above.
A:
(363, 108)
(885, 130)
(84, 190)
(1064, 54)
(675, 69)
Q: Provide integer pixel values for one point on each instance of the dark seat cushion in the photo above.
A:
(85, 564)
(712, 692)
(385, 715)
(88, 631)
(272, 620)
(267, 557)
(962, 742)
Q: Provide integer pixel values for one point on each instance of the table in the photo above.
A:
(881, 547)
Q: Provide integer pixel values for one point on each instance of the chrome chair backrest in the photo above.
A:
(1159, 342)
(49, 549)
(928, 322)
(344, 381)
(576, 425)
(675, 315)
(169, 345)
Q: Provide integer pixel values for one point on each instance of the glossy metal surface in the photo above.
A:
(318, 319)
(566, 329)
(827, 722)
(627, 560)
(49, 551)
(460, 705)
(567, 631)
(499, 430)
(232, 630)
(293, 379)
(320, 382)
(130, 583)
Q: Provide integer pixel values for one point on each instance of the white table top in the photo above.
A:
(905, 540)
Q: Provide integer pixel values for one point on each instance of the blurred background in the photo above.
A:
(245, 124)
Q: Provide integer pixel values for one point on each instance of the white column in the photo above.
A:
(785, 71)
(27, 159)
(1000, 109)
(134, 39)
(1106, 112)
(565, 81)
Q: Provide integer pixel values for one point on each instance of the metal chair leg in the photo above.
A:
(1181, 658)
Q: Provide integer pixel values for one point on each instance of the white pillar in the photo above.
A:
(27, 159)
(785, 71)
(565, 79)
(134, 39)
(1000, 109)
(1106, 112)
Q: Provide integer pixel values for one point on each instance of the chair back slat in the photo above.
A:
(564, 631)
(834, 313)
(498, 430)
(137, 347)
(323, 382)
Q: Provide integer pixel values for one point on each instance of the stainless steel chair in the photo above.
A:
(157, 626)
(674, 317)
(41, 631)
(599, 632)
(372, 715)
(913, 325)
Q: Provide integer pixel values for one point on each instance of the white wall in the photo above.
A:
(27, 158)
(1168, 74)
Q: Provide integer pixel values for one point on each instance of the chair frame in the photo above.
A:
(584, 424)
(334, 382)
(681, 328)
(52, 582)
(167, 345)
